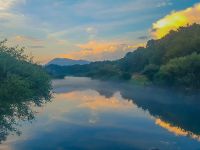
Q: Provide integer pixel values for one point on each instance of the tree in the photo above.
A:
(182, 71)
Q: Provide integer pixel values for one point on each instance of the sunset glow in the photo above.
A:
(175, 20)
(94, 50)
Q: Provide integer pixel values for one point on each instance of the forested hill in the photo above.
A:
(173, 60)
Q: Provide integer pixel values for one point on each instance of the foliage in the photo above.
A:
(139, 79)
(182, 71)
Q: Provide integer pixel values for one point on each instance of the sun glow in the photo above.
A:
(175, 20)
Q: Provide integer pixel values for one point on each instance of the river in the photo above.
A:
(86, 114)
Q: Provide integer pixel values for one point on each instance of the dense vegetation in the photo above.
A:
(19, 76)
(22, 84)
(173, 60)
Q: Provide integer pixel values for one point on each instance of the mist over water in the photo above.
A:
(91, 114)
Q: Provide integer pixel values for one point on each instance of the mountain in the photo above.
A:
(66, 62)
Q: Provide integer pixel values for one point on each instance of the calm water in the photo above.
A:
(93, 115)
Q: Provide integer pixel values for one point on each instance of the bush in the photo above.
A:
(182, 71)
(126, 76)
(150, 70)
(18, 74)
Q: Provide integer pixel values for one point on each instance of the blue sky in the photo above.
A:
(72, 28)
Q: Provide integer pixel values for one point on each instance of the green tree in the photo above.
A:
(182, 71)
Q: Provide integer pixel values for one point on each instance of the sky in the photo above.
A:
(90, 29)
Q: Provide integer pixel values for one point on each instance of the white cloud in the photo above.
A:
(164, 3)
(92, 32)
(10, 19)
(7, 4)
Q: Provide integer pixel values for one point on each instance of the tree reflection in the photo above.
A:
(177, 108)
(16, 109)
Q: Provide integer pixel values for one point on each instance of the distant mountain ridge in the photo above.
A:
(67, 62)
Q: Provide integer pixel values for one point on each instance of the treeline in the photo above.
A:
(173, 60)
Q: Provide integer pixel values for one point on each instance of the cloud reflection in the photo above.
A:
(176, 130)
(92, 100)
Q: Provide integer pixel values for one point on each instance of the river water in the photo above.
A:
(87, 114)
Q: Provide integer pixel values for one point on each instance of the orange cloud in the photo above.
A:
(175, 20)
(176, 130)
(94, 50)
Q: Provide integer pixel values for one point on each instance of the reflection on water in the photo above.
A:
(95, 101)
(16, 109)
(177, 130)
(89, 114)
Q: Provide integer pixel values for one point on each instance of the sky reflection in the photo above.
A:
(90, 116)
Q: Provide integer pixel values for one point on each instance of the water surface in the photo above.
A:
(87, 114)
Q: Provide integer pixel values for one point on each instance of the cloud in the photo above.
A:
(98, 9)
(143, 37)
(7, 4)
(36, 46)
(175, 20)
(21, 38)
(92, 32)
(94, 50)
(164, 3)
(11, 20)
(27, 41)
